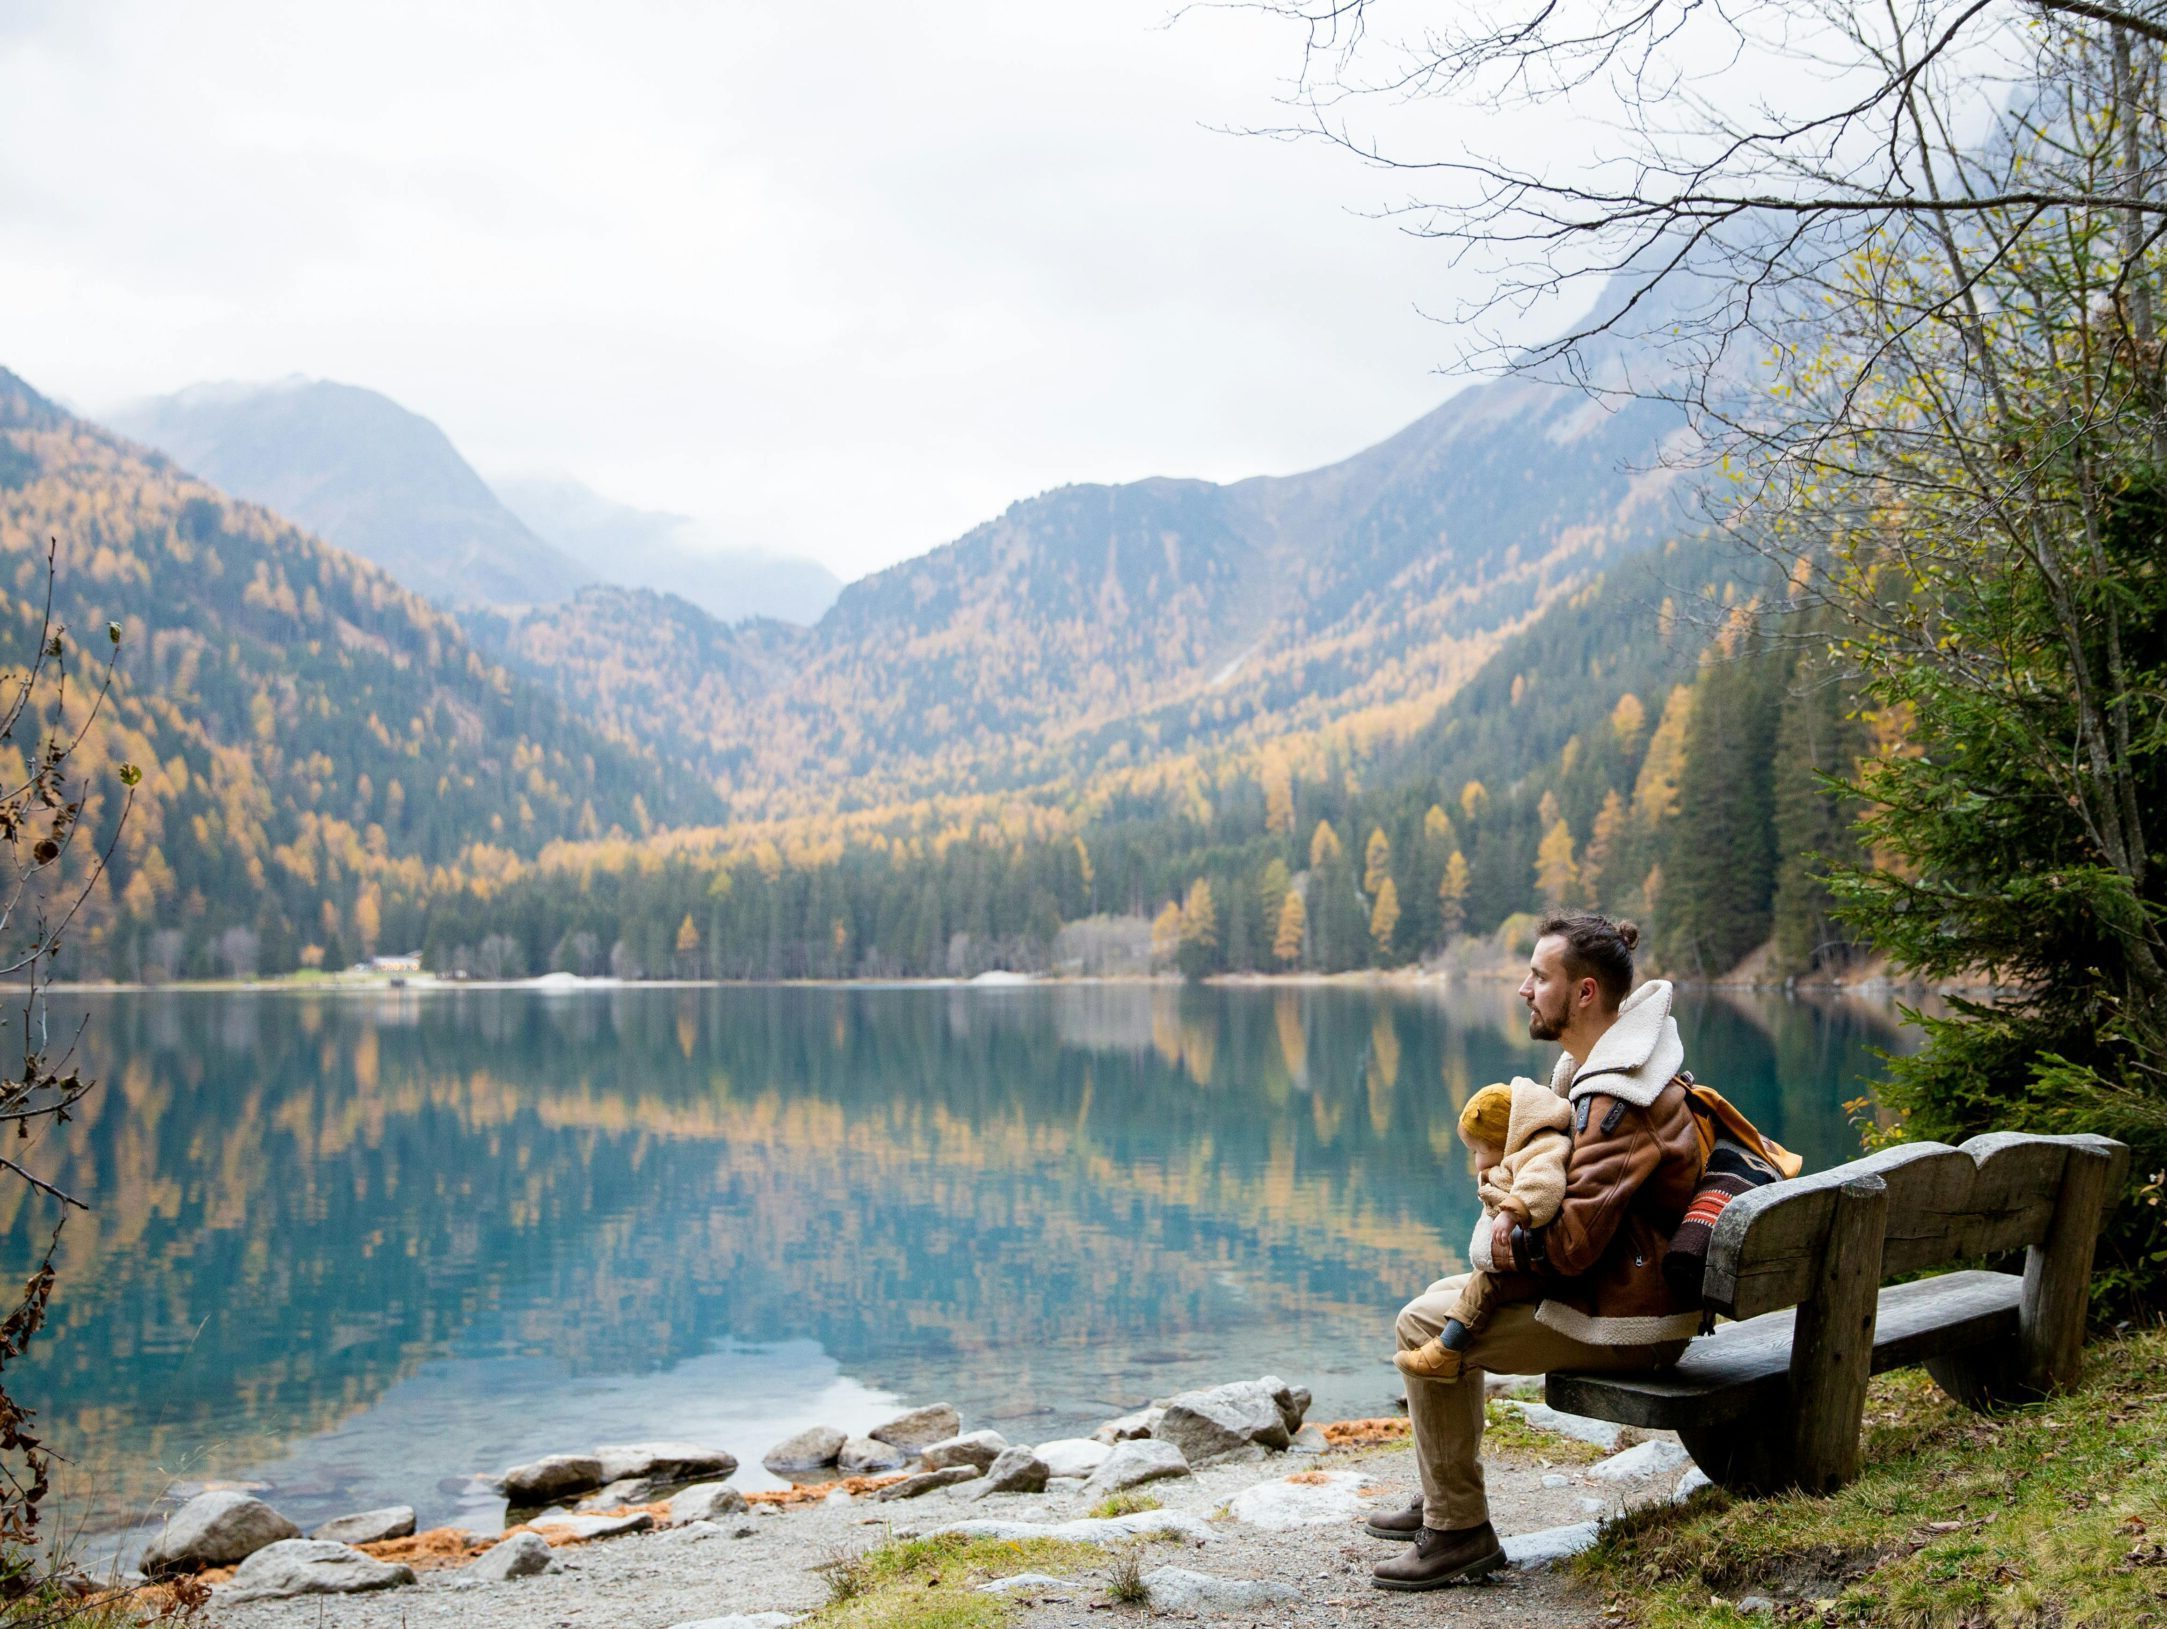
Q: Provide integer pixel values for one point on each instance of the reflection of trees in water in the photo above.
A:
(301, 1204)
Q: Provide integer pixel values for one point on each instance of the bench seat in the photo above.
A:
(1742, 1370)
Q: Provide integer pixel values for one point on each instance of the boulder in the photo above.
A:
(1655, 1457)
(666, 1462)
(312, 1567)
(630, 1490)
(977, 1449)
(1092, 1529)
(921, 1428)
(553, 1476)
(1144, 1460)
(1292, 1401)
(520, 1556)
(594, 1527)
(1073, 1456)
(1306, 1499)
(1128, 1427)
(1214, 1424)
(1176, 1589)
(1028, 1583)
(812, 1449)
(926, 1481)
(1531, 1552)
(368, 1526)
(864, 1456)
(1308, 1440)
(704, 1501)
(1018, 1470)
(215, 1530)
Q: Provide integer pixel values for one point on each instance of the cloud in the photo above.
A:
(841, 277)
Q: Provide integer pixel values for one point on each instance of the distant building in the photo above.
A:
(408, 963)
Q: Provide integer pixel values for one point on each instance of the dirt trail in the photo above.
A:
(657, 1580)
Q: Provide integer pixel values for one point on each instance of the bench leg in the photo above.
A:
(1746, 1460)
(1832, 1345)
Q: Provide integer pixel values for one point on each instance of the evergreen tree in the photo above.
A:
(1720, 871)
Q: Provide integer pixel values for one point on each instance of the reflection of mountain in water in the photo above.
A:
(1018, 1198)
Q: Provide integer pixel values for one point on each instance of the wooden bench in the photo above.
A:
(1774, 1400)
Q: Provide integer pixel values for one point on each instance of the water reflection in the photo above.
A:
(363, 1246)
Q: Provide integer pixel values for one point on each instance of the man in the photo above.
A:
(1603, 1302)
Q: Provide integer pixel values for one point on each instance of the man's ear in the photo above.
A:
(1589, 991)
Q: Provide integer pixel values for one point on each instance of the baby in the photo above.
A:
(1520, 1137)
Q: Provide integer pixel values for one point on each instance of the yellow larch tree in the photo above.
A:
(1293, 924)
(1384, 918)
(1556, 876)
(1452, 896)
(1376, 862)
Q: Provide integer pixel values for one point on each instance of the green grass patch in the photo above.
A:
(931, 1583)
(2052, 1515)
(1508, 1433)
(1125, 1503)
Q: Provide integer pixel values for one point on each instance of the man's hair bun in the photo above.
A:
(1597, 948)
(1630, 933)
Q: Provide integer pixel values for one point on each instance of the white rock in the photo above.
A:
(1601, 1433)
(665, 1462)
(1689, 1484)
(553, 1476)
(1176, 1589)
(863, 1456)
(912, 1487)
(215, 1530)
(1592, 1506)
(1023, 1581)
(1214, 1424)
(629, 1490)
(704, 1502)
(1554, 1480)
(975, 1448)
(1091, 1529)
(1655, 1457)
(742, 1620)
(520, 1556)
(810, 1450)
(595, 1527)
(311, 1567)
(1018, 1470)
(920, 1428)
(1532, 1551)
(1293, 1401)
(1131, 1463)
(1073, 1456)
(368, 1526)
(1318, 1499)
(1308, 1440)
(1128, 1427)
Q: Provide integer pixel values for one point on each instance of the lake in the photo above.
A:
(356, 1247)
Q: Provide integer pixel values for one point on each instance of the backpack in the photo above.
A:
(1736, 1158)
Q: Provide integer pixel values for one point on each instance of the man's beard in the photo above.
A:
(1541, 1027)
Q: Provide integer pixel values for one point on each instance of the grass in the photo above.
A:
(1506, 1431)
(1125, 1584)
(931, 1583)
(1125, 1503)
(2052, 1516)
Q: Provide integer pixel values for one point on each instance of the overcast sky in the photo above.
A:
(842, 277)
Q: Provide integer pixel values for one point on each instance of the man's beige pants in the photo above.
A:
(1447, 1415)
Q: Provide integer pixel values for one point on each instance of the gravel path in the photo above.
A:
(656, 1580)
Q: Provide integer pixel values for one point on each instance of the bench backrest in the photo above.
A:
(1995, 1193)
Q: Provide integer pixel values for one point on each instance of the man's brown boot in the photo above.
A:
(1438, 1558)
(1398, 1524)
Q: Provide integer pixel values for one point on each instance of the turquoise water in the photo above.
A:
(357, 1248)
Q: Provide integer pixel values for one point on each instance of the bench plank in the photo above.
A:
(1743, 1370)
(1996, 1193)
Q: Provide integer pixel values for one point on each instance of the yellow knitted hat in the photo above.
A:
(1487, 1117)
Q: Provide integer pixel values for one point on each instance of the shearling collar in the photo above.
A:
(1636, 1056)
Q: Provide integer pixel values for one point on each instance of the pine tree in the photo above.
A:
(1376, 862)
(1384, 918)
(1293, 922)
(1603, 844)
(1452, 896)
(1720, 849)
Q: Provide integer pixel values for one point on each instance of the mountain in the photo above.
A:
(317, 743)
(671, 554)
(365, 474)
(1096, 631)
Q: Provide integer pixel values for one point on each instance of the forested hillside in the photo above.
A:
(1109, 635)
(320, 749)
